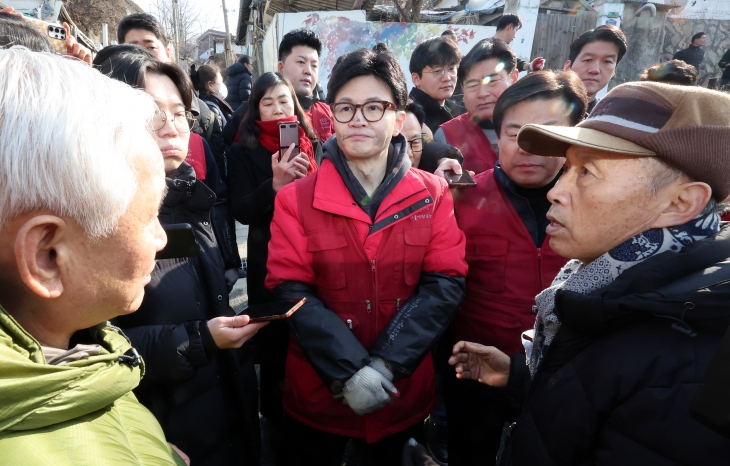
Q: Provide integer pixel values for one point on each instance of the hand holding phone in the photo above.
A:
(268, 312)
(288, 135)
(462, 180)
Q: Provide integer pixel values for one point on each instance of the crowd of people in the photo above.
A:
(567, 307)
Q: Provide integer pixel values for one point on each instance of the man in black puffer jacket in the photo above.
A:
(238, 81)
(626, 332)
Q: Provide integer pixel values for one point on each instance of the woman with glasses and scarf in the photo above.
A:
(257, 170)
(198, 382)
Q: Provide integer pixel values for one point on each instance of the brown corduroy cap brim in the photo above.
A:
(687, 127)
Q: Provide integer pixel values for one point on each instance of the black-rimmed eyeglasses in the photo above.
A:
(372, 110)
(416, 144)
(183, 121)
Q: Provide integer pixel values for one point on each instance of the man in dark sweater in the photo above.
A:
(433, 68)
(694, 54)
(725, 65)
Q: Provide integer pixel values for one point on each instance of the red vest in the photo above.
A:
(320, 115)
(366, 295)
(196, 156)
(506, 270)
(469, 138)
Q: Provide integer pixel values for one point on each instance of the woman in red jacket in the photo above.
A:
(255, 174)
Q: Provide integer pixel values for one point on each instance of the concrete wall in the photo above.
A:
(679, 31)
(645, 36)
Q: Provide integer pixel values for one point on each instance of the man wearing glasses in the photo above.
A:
(433, 68)
(374, 247)
(485, 72)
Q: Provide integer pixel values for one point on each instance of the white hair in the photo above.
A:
(68, 140)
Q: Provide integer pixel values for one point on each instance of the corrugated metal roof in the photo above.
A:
(295, 6)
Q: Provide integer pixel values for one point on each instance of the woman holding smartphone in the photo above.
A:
(257, 170)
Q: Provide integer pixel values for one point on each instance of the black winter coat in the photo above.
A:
(238, 82)
(252, 203)
(691, 55)
(615, 385)
(204, 398)
(436, 115)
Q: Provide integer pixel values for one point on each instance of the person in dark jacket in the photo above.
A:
(199, 383)
(694, 54)
(725, 65)
(625, 333)
(239, 79)
(433, 68)
(208, 82)
(510, 260)
(257, 173)
(374, 247)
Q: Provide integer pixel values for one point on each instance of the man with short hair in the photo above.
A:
(510, 260)
(78, 238)
(414, 130)
(507, 27)
(433, 66)
(694, 54)
(625, 334)
(485, 72)
(374, 247)
(594, 55)
(299, 53)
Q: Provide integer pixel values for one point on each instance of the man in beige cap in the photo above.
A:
(624, 335)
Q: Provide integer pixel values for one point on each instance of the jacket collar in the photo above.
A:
(332, 195)
(428, 103)
(184, 188)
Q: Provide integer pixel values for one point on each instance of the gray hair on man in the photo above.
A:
(66, 140)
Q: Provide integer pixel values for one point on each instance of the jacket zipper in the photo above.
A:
(539, 267)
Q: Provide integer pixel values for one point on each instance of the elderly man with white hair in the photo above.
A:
(81, 179)
(626, 332)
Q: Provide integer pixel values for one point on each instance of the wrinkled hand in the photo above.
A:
(75, 49)
(286, 171)
(485, 364)
(447, 164)
(231, 276)
(232, 332)
(368, 390)
(184, 457)
(537, 64)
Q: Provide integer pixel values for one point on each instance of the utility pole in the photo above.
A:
(229, 50)
(176, 29)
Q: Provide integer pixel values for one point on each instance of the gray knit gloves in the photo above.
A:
(370, 388)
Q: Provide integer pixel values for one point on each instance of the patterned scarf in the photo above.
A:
(580, 278)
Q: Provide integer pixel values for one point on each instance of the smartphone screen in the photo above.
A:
(181, 242)
(464, 179)
(273, 311)
(288, 135)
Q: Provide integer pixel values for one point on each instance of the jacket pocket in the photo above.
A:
(416, 242)
(487, 260)
(328, 256)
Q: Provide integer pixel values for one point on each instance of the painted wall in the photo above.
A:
(340, 34)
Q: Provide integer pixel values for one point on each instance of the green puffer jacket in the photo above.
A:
(80, 413)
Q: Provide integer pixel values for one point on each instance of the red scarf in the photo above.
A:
(269, 138)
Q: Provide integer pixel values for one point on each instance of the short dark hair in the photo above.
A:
(249, 129)
(449, 33)
(671, 72)
(245, 59)
(141, 21)
(202, 75)
(484, 50)
(696, 36)
(18, 31)
(605, 33)
(417, 110)
(305, 37)
(507, 19)
(437, 51)
(105, 53)
(381, 47)
(544, 85)
(365, 62)
(133, 68)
